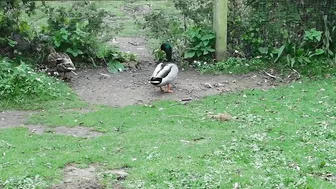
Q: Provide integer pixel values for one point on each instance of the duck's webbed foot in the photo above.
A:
(169, 90)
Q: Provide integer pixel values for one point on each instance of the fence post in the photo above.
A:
(220, 25)
(214, 16)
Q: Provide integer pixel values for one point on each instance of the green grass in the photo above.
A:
(37, 104)
(281, 138)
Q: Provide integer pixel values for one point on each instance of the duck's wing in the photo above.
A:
(54, 58)
(164, 72)
(170, 74)
(65, 65)
(157, 69)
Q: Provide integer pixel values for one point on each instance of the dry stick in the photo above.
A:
(74, 72)
(134, 44)
(189, 92)
(270, 75)
(297, 73)
(186, 99)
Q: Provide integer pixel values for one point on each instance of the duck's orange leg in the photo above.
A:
(169, 89)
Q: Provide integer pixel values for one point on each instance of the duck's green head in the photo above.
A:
(167, 48)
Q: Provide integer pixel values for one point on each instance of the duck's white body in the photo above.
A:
(164, 74)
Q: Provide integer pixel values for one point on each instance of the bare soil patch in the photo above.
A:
(13, 118)
(75, 177)
(97, 86)
(87, 178)
(70, 131)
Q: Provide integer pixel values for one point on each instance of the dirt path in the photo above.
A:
(132, 87)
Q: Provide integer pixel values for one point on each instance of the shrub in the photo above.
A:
(75, 30)
(21, 84)
(201, 44)
(16, 34)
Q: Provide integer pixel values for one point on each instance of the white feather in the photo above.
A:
(167, 72)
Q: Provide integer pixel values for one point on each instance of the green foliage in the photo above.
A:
(115, 66)
(201, 44)
(165, 26)
(189, 33)
(20, 84)
(75, 30)
(329, 36)
(17, 36)
(252, 36)
(231, 66)
(289, 33)
(159, 55)
(304, 53)
(198, 12)
(25, 182)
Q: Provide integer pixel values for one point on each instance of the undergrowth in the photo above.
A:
(230, 66)
(21, 86)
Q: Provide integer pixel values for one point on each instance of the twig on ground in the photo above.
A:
(270, 75)
(299, 75)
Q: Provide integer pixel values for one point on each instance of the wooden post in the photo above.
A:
(220, 24)
(214, 17)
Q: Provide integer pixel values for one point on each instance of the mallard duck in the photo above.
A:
(61, 62)
(165, 72)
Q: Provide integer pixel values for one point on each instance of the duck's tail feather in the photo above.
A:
(155, 80)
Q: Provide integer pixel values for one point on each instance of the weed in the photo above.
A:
(231, 66)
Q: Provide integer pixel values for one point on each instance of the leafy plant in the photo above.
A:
(16, 34)
(312, 35)
(21, 84)
(25, 182)
(201, 44)
(159, 55)
(198, 12)
(303, 53)
(75, 30)
(115, 66)
(166, 26)
(328, 36)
